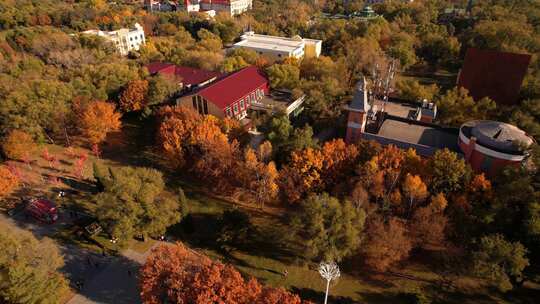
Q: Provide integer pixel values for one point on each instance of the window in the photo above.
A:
(241, 104)
(142, 37)
(228, 111)
(279, 55)
(235, 107)
(130, 38)
(253, 98)
(205, 103)
(199, 105)
(194, 102)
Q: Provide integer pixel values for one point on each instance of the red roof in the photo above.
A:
(229, 89)
(188, 75)
(497, 75)
(226, 2)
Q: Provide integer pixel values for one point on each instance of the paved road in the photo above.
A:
(114, 284)
(105, 279)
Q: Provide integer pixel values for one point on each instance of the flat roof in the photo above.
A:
(419, 134)
(270, 42)
(396, 109)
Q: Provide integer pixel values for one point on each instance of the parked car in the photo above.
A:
(42, 210)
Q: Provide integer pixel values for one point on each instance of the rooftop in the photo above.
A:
(188, 75)
(279, 100)
(252, 40)
(270, 42)
(230, 88)
(421, 134)
(497, 75)
(498, 136)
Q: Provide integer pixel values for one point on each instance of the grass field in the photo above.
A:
(268, 254)
(268, 260)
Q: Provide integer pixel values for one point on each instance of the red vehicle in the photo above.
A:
(43, 210)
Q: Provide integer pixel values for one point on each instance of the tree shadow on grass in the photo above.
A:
(77, 186)
(203, 230)
(318, 297)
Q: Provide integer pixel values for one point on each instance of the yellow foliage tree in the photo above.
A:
(414, 188)
(8, 181)
(18, 143)
(98, 119)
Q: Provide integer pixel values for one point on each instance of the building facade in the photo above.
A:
(161, 5)
(230, 7)
(278, 48)
(489, 146)
(125, 40)
(229, 96)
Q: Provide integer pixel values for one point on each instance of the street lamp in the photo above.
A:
(329, 271)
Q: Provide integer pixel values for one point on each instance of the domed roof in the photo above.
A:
(499, 136)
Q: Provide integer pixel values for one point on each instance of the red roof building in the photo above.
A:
(493, 74)
(187, 77)
(229, 96)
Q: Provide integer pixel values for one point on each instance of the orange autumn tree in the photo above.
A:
(175, 274)
(260, 179)
(339, 160)
(97, 119)
(428, 223)
(415, 189)
(198, 143)
(302, 174)
(133, 98)
(17, 144)
(317, 169)
(387, 243)
(8, 181)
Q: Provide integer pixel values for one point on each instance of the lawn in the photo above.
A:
(268, 259)
(266, 256)
(442, 78)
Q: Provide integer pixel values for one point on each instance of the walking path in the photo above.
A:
(105, 279)
(116, 283)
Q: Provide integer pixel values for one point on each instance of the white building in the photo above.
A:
(161, 5)
(279, 48)
(124, 40)
(231, 7)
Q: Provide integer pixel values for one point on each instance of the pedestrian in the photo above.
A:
(89, 261)
(285, 273)
(103, 252)
(97, 265)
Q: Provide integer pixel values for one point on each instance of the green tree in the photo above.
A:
(412, 90)
(160, 89)
(330, 229)
(457, 107)
(29, 268)
(402, 49)
(500, 261)
(448, 172)
(134, 202)
(284, 76)
(527, 117)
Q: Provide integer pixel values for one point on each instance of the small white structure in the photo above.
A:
(329, 271)
(124, 40)
(278, 48)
